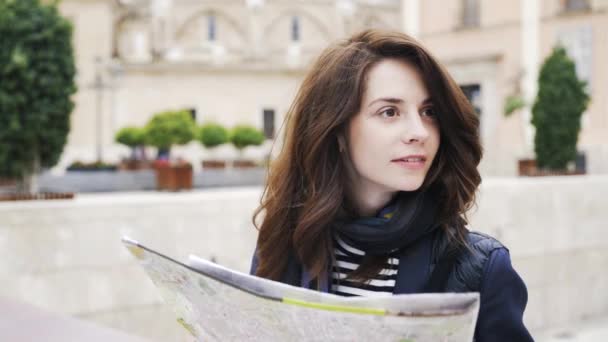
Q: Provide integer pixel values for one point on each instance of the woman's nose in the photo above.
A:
(414, 129)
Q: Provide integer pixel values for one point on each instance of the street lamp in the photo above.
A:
(98, 85)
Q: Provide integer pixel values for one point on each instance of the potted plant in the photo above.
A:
(243, 136)
(133, 137)
(212, 135)
(7, 182)
(164, 130)
(556, 114)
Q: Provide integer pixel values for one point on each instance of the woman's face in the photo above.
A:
(395, 136)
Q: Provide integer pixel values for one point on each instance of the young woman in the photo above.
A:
(369, 193)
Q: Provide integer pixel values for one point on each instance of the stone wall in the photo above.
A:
(555, 228)
(66, 256)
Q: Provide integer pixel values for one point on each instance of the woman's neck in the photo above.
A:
(369, 203)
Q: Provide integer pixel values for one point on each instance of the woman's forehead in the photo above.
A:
(394, 79)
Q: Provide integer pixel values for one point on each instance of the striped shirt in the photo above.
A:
(348, 258)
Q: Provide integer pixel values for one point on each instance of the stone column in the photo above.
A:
(410, 16)
(345, 10)
(255, 8)
(530, 20)
(160, 26)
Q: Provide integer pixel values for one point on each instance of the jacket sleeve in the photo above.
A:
(503, 300)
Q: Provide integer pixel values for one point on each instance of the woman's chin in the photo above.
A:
(410, 186)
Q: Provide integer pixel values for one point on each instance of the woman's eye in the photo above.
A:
(390, 112)
(428, 112)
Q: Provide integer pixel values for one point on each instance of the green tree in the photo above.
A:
(244, 135)
(557, 111)
(169, 128)
(36, 82)
(132, 137)
(212, 134)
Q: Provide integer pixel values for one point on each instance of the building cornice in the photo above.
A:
(205, 68)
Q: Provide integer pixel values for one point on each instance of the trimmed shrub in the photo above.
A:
(557, 111)
(244, 135)
(130, 136)
(169, 128)
(212, 135)
(37, 72)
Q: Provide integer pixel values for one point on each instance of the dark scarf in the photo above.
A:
(414, 216)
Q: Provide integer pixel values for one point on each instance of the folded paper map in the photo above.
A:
(215, 303)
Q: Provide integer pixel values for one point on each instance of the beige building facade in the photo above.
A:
(229, 61)
(238, 61)
(494, 49)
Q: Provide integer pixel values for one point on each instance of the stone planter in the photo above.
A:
(134, 165)
(36, 196)
(527, 167)
(7, 182)
(244, 164)
(213, 164)
(91, 167)
(173, 177)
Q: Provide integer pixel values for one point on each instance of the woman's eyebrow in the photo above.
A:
(387, 99)
(396, 100)
(427, 101)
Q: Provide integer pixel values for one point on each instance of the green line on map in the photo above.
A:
(332, 307)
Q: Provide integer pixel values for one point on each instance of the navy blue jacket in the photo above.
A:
(503, 293)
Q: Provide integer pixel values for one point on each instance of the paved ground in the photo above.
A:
(22, 322)
(592, 331)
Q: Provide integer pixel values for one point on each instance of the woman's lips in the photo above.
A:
(411, 164)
